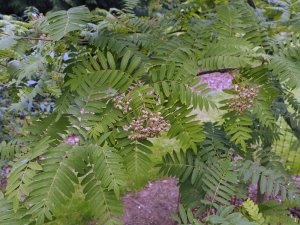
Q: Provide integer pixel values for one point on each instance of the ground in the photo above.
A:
(153, 205)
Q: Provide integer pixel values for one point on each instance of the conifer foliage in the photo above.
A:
(119, 80)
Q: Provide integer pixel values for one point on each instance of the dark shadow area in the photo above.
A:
(16, 7)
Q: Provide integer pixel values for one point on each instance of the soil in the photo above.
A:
(153, 205)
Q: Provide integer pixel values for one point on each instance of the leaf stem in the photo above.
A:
(215, 71)
(30, 38)
(35, 39)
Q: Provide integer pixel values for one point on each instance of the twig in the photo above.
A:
(276, 3)
(215, 71)
(295, 129)
(1, 64)
(35, 39)
(29, 38)
(141, 205)
(251, 3)
(287, 116)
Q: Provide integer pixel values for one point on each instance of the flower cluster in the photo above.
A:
(5, 170)
(72, 139)
(236, 201)
(147, 125)
(208, 212)
(122, 102)
(244, 99)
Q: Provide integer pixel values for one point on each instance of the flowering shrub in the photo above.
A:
(147, 125)
(244, 99)
(118, 80)
(122, 102)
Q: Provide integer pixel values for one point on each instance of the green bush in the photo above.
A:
(118, 81)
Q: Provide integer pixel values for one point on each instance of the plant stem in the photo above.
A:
(259, 195)
(295, 129)
(1, 64)
(216, 71)
(35, 39)
(30, 38)
(251, 3)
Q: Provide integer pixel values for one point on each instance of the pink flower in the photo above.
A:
(72, 139)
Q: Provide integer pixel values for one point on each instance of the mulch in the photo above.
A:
(153, 205)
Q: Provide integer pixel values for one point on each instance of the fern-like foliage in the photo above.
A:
(48, 188)
(168, 82)
(215, 143)
(253, 211)
(219, 182)
(58, 24)
(185, 130)
(286, 70)
(186, 217)
(239, 130)
(129, 6)
(136, 158)
(226, 216)
(227, 22)
(53, 126)
(182, 165)
(105, 71)
(30, 68)
(104, 178)
(7, 214)
(270, 180)
(116, 80)
(23, 172)
(109, 166)
(8, 150)
(276, 213)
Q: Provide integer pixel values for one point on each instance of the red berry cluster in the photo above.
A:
(244, 99)
(147, 125)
